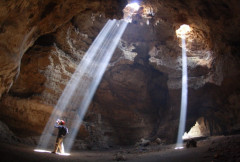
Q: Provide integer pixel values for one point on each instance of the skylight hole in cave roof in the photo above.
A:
(135, 10)
(183, 31)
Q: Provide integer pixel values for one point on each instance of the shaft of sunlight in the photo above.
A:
(184, 96)
(77, 95)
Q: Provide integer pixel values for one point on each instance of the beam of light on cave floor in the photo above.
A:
(182, 121)
(76, 97)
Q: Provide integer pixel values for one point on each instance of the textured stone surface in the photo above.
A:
(22, 22)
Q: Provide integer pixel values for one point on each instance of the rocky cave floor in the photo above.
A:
(212, 149)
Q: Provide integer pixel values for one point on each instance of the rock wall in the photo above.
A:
(22, 22)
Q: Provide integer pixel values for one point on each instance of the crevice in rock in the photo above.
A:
(45, 40)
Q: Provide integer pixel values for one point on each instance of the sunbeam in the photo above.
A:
(76, 97)
(181, 32)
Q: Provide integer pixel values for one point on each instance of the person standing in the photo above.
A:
(62, 131)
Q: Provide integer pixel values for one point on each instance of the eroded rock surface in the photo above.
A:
(22, 22)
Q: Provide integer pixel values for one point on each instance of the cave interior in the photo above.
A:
(139, 96)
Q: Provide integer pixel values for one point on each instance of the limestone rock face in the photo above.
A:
(48, 65)
(22, 22)
(42, 43)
